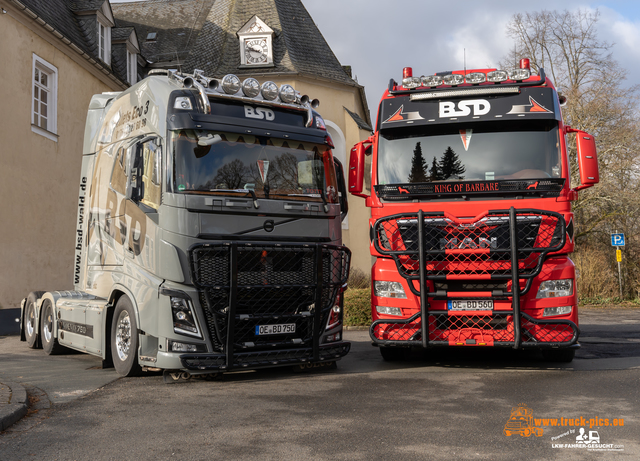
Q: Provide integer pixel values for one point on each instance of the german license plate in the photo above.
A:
(470, 305)
(280, 329)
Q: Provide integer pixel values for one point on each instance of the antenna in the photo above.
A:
(464, 51)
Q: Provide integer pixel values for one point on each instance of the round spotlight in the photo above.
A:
(251, 87)
(230, 84)
(315, 103)
(453, 79)
(432, 80)
(287, 94)
(269, 91)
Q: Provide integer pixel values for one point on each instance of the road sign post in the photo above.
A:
(617, 240)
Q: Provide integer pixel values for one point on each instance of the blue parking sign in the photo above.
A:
(617, 240)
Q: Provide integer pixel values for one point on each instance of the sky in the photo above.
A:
(377, 38)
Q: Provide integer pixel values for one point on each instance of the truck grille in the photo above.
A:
(244, 285)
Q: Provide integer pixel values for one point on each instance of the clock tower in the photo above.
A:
(256, 44)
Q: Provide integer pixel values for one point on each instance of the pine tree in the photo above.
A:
(434, 172)
(450, 165)
(418, 166)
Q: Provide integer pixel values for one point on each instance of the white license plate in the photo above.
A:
(280, 329)
(470, 305)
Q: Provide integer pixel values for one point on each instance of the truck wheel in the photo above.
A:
(558, 355)
(394, 354)
(29, 322)
(49, 342)
(124, 339)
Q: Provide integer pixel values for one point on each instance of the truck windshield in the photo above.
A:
(211, 162)
(482, 151)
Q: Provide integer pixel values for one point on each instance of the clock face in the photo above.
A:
(256, 50)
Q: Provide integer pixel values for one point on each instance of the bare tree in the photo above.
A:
(566, 45)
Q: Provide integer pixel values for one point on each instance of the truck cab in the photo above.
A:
(471, 221)
(208, 232)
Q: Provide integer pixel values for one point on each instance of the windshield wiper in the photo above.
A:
(246, 191)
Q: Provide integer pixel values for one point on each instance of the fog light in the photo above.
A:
(549, 311)
(453, 79)
(476, 77)
(497, 76)
(432, 80)
(388, 289)
(386, 310)
(519, 74)
(175, 346)
(555, 288)
(411, 82)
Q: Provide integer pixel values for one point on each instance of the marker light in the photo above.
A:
(411, 82)
(230, 84)
(251, 87)
(182, 102)
(388, 289)
(555, 288)
(386, 310)
(432, 80)
(287, 94)
(453, 79)
(519, 74)
(475, 77)
(497, 76)
(269, 91)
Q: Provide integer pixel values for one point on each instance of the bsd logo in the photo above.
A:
(479, 107)
(260, 113)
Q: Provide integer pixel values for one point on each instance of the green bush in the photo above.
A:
(357, 307)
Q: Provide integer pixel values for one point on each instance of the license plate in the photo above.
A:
(470, 305)
(280, 329)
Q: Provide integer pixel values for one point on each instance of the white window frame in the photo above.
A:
(104, 42)
(132, 67)
(51, 71)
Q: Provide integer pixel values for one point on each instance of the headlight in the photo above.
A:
(269, 91)
(388, 310)
(411, 82)
(184, 322)
(549, 311)
(555, 288)
(519, 74)
(183, 103)
(251, 87)
(432, 80)
(497, 76)
(453, 79)
(388, 289)
(476, 77)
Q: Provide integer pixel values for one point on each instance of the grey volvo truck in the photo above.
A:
(208, 233)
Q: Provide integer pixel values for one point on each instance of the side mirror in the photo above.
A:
(587, 159)
(342, 189)
(356, 168)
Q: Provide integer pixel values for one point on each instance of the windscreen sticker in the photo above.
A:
(401, 116)
(263, 167)
(533, 106)
(465, 135)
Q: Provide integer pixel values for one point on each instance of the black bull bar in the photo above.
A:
(495, 249)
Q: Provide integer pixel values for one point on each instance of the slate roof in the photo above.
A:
(203, 34)
(176, 23)
(81, 30)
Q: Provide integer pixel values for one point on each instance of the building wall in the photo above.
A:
(38, 176)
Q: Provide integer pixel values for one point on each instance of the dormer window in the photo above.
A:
(132, 67)
(104, 42)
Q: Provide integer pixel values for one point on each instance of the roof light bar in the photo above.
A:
(466, 92)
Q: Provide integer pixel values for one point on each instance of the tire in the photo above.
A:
(394, 354)
(48, 340)
(29, 322)
(124, 339)
(558, 355)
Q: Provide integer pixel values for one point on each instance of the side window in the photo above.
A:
(119, 175)
(151, 177)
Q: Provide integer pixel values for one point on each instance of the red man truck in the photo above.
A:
(471, 223)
